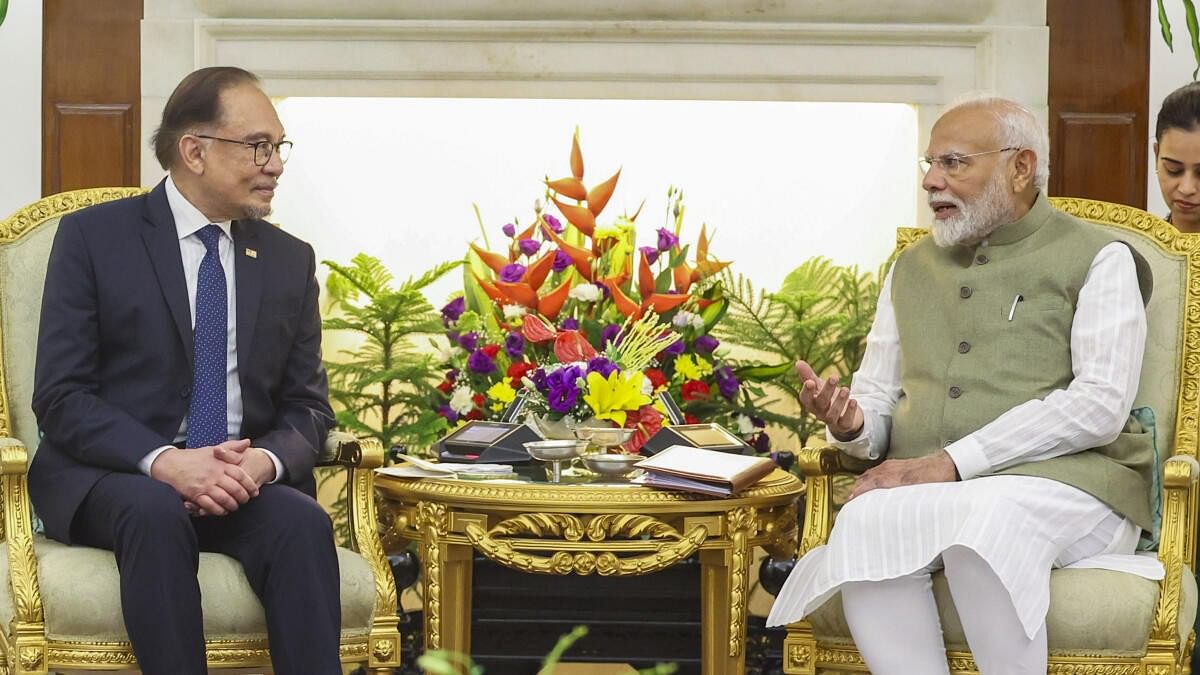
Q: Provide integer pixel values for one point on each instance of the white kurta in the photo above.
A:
(1021, 526)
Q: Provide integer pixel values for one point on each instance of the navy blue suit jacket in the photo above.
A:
(114, 350)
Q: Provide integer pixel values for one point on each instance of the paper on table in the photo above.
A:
(420, 468)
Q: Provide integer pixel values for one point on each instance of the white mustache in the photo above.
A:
(946, 198)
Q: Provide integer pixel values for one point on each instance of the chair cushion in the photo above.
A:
(81, 595)
(1091, 610)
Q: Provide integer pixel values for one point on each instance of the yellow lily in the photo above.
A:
(613, 398)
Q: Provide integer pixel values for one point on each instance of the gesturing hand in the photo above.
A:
(211, 485)
(829, 403)
(936, 468)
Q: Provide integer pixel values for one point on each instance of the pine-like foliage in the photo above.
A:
(821, 314)
(384, 386)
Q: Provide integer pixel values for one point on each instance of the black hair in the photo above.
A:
(195, 101)
(1180, 110)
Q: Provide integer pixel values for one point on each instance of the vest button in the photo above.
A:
(965, 292)
(955, 392)
(964, 347)
(981, 259)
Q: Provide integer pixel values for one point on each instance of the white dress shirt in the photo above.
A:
(188, 221)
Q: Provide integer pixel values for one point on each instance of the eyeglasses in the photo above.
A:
(953, 163)
(262, 149)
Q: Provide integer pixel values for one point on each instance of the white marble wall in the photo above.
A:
(21, 115)
(906, 51)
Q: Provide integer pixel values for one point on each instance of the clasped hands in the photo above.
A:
(215, 480)
(844, 417)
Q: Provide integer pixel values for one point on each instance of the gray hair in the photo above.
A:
(1018, 128)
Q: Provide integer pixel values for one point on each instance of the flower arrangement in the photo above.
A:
(560, 317)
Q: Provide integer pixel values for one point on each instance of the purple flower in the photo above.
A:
(561, 261)
(481, 363)
(651, 253)
(666, 240)
(538, 377)
(601, 365)
(609, 334)
(453, 310)
(446, 411)
(468, 341)
(762, 443)
(727, 382)
(563, 392)
(570, 323)
(512, 272)
(452, 374)
(514, 345)
(706, 343)
(528, 246)
(509, 230)
(758, 422)
(674, 349)
(553, 223)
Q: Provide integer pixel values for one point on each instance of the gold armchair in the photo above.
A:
(60, 609)
(1100, 622)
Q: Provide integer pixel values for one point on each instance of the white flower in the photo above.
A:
(682, 319)
(460, 400)
(647, 386)
(585, 293)
(514, 312)
(745, 424)
(448, 352)
(697, 321)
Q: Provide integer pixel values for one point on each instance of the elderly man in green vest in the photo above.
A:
(997, 383)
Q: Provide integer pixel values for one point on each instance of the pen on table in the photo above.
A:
(1013, 310)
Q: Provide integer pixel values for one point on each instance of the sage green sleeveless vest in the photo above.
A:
(967, 355)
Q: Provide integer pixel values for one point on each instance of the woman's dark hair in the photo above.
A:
(1180, 110)
(195, 101)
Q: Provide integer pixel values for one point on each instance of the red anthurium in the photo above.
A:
(535, 329)
(646, 422)
(571, 345)
(694, 390)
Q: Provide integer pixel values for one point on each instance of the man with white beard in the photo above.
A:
(997, 382)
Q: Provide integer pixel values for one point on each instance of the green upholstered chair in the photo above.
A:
(1100, 622)
(60, 609)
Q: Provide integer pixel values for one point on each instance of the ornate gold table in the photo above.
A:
(610, 528)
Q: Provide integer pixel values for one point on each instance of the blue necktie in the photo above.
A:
(208, 411)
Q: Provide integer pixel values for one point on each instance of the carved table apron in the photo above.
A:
(610, 529)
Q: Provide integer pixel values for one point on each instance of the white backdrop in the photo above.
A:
(777, 182)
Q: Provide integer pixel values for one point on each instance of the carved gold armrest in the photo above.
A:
(360, 457)
(1180, 474)
(343, 449)
(22, 565)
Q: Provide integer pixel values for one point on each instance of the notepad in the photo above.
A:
(710, 472)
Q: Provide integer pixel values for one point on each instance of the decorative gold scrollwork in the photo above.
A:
(384, 650)
(433, 521)
(494, 543)
(741, 523)
(31, 658)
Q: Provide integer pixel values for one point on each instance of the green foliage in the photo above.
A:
(442, 662)
(1189, 13)
(821, 314)
(384, 386)
(3, 10)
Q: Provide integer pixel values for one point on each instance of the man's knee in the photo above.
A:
(295, 513)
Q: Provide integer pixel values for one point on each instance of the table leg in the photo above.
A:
(456, 598)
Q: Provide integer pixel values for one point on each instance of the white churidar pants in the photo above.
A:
(998, 538)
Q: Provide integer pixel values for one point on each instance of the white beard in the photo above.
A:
(975, 220)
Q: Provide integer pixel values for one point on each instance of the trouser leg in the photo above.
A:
(995, 634)
(895, 625)
(143, 522)
(284, 541)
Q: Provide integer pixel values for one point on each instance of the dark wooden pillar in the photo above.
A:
(1099, 85)
(91, 93)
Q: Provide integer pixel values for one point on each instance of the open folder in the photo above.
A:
(710, 472)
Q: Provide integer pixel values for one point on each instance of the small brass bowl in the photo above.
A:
(605, 437)
(557, 450)
(611, 465)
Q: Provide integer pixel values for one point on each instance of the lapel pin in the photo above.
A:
(251, 253)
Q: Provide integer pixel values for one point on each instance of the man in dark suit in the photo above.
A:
(180, 390)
